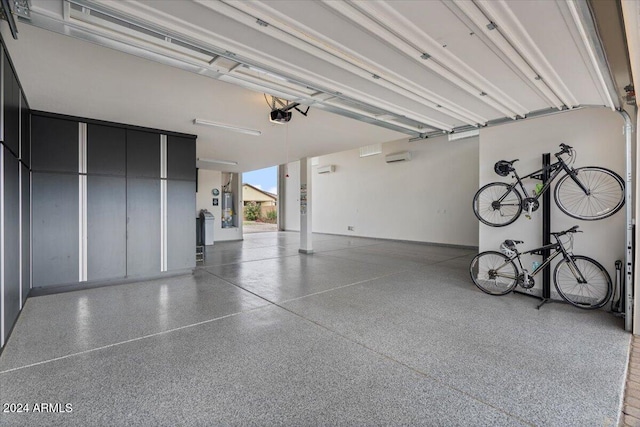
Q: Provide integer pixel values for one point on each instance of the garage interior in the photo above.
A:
(120, 119)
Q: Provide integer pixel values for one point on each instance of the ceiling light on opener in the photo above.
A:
(454, 136)
(228, 127)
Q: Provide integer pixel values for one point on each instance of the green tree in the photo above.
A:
(252, 211)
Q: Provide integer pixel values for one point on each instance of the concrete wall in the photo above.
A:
(207, 181)
(427, 199)
(596, 134)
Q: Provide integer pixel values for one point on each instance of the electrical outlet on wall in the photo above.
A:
(350, 228)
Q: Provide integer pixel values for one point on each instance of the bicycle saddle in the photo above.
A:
(508, 247)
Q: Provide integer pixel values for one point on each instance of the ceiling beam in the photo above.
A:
(493, 33)
(240, 16)
(499, 12)
(585, 23)
(382, 20)
(322, 46)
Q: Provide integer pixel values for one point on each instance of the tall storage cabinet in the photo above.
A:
(11, 217)
(181, 195)
(106, 202)
(104, 193)
(15, 213)
(54, 161)
(144, 242)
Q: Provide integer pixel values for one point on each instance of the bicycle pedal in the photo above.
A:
(527, 216)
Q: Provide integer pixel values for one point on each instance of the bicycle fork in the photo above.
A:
(574, 176)
(573, 267)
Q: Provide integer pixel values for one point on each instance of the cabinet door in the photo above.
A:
(106, 150)
(11, 108)
(26, 232)
(181, 242)
(11, 297)
(143, 227)
(106, 227)
(143, 154)
(54, 144)
(55, 229)
(25, 134)
(181, 158)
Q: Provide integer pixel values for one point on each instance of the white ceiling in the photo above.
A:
(70, 76)
(485, 61)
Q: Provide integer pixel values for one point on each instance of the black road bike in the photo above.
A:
(588, 193)
(579, 280)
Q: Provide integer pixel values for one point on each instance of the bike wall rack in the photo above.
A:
(546, 234)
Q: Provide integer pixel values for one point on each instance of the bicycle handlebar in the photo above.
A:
(573, 229)
(564, 149)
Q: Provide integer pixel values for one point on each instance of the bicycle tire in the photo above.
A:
(486, 198)
(591, 295)
(480, 268)
(605, 199)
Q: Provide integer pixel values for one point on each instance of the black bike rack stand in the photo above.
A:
(546, 232)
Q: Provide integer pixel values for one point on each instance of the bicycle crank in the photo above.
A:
(530, 204)
(527, 282)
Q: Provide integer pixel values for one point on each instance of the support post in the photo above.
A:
(306, 246)
(282, 201)
(629, 242)
(546, 231)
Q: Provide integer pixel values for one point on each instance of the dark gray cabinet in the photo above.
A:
(143, 227)
(11, 236)
(124, 216)
(181, 242)
(106, 150)
(54, 144)
(106, 227)
(143, 154)
(16, 219)
(55, 229)
(181, 158)
(26, 220)
(11, 95)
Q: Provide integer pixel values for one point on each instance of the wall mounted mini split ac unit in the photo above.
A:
(405, 156)
(326, 169)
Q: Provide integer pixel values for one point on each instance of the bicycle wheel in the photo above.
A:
(497, 204)
(606, 194)
(493, 273)
(595, 293)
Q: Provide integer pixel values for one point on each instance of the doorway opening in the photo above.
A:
(260, 200)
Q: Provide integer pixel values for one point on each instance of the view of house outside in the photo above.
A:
(260, 196)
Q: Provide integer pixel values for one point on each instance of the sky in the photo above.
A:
(264, 179)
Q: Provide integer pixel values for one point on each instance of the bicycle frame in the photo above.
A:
(555, 170)
(558, 249)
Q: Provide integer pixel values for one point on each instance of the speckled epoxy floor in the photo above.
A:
(363, 332)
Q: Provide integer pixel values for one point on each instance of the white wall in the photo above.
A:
(207, 181)
(596, 134)
(427, 199)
